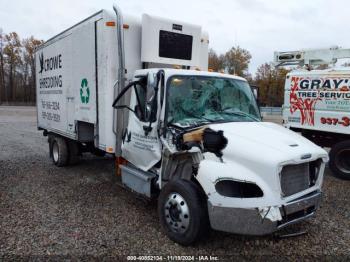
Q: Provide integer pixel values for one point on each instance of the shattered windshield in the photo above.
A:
(196, 100)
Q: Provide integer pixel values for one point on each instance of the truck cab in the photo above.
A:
(196, 139)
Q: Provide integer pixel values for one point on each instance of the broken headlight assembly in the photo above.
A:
(238, 189)
(205, 138)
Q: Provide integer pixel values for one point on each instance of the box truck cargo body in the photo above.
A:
(78, 70)
(193, 139)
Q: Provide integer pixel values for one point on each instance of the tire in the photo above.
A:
(182, 211)
(339, 160)
(59, 151)
(74, 153)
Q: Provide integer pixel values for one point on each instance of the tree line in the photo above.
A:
(17, 68)
(268, 79)
(17, 71)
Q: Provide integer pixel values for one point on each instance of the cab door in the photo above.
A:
(141, 144)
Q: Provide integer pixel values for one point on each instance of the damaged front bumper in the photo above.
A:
(257, 222)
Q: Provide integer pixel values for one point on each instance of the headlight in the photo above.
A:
(231, 188)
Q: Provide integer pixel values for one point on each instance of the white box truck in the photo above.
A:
(317, 102)
(191, 138)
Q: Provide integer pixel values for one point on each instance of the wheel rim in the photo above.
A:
(177, 215)
(55, 152)
(342, 160)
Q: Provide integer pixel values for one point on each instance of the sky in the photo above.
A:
(260, 26)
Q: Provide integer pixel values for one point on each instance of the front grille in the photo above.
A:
(296, 215)
(295, 178)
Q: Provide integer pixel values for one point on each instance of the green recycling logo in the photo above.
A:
(84, 91)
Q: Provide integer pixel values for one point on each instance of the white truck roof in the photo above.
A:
(171, 71)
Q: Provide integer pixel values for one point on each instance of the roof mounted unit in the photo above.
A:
(311, 57)
(165, 41)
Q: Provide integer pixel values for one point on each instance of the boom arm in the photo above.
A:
(311, 57)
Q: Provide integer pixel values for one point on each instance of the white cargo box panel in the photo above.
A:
(318, 100)
(53, 67)
(166, 41)
(66, 80)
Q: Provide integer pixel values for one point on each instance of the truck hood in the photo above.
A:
(256, 152)
(267, 142)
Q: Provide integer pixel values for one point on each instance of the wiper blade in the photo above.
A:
(201, 118)
(194, 123)
(240, 113)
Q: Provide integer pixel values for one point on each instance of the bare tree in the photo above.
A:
(12, 52)
(30, 44)
(17, 68)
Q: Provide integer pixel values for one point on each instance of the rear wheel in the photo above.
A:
(59, 151)
(182, 211)
(339, 159)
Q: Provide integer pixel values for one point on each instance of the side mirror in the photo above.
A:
(121, 94)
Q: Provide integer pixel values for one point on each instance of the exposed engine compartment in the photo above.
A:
(205, 138)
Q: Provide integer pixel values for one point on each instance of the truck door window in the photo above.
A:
(145, 96)
(140, 91)
(149, 100)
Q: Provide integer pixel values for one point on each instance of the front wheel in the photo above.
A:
(339, 160)
(182, 211)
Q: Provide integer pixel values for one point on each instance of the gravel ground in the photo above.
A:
(80, 211)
